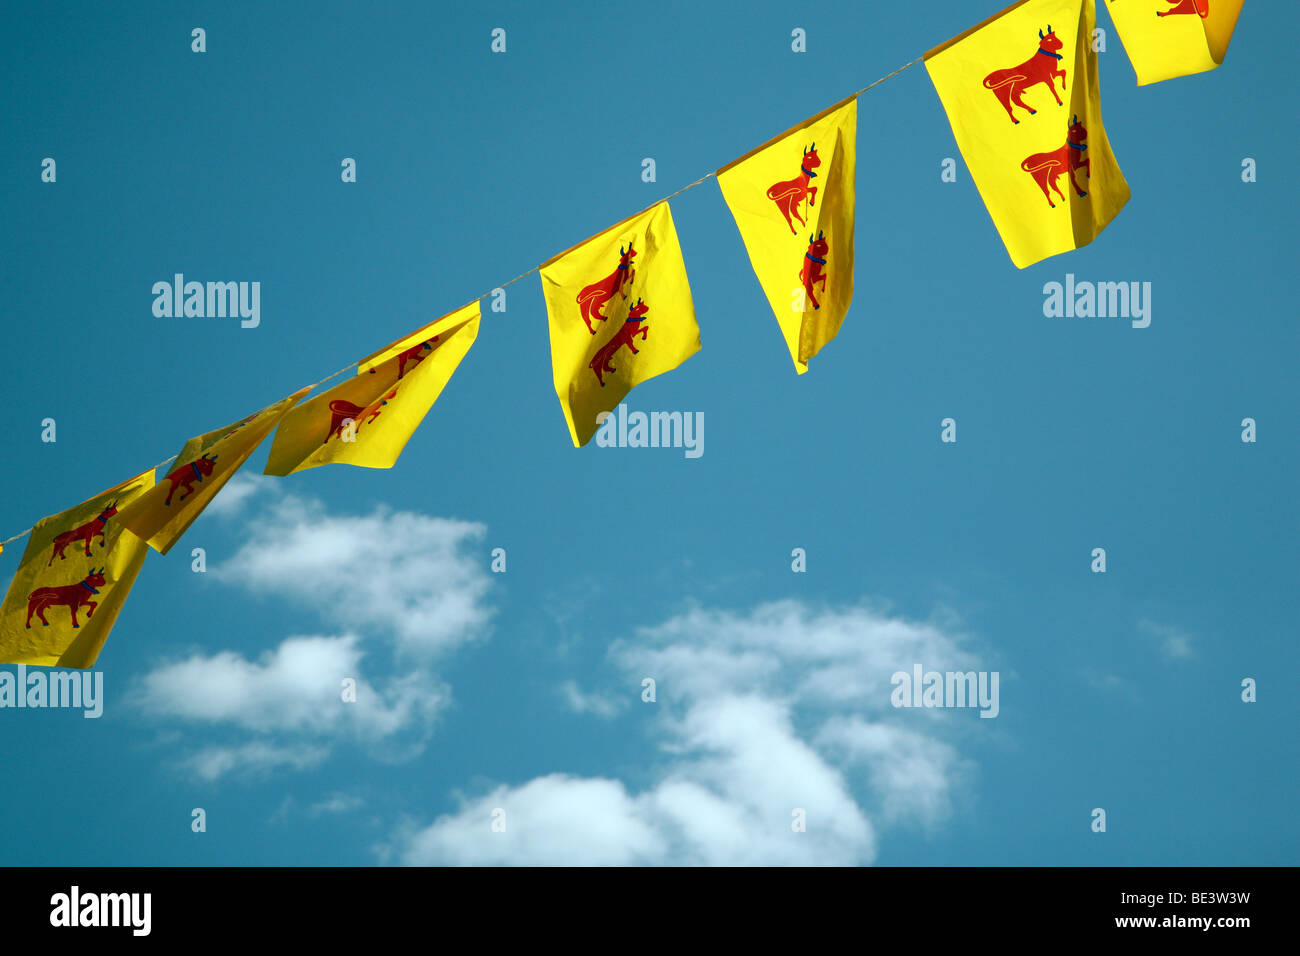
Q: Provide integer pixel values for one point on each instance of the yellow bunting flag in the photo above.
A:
(193, 479)
(620, 312)
(793, 202)
(1022, 96)
(368, 420)
(72, 581)
(1168, 38)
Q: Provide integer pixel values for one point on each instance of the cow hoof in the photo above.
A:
(1016, 121)
(1081, 195)
(45, 624)
(76, 625)
(29, 627)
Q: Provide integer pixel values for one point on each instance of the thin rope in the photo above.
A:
(523, 275)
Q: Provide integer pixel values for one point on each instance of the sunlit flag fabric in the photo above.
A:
(72, 581)
(1168, 38)
(620, 312)
(368, 420)
(1021, 93)
(792, 199)
(193, 479)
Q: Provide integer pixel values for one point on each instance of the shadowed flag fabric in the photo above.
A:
(368, 419)
(1168, 38)
(620, 312)
(1021, 94)
(792, 199)
(193, 479)
(72, 581)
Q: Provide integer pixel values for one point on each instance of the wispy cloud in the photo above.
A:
(1175, 644)
(581, 702)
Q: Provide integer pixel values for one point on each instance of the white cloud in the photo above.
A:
(298, 687)
(581, 702)
(405, 587)
(252, 758)
(405, 574)
(335, 803)
(758, 715)
(1175, 644)
(239, 492)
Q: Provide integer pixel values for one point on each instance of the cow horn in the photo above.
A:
(1040, 34)
(1049, 28)
(805, 150)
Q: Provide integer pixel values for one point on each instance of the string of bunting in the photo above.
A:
(1022, 95)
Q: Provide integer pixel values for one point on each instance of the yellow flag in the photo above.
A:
(368, 420)
(793, 202)
(1021, 94)
(204, 465)
(620, 312)
(1168, 38)
(72, 582)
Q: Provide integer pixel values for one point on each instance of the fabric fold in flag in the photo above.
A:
(368, 420)
(1022, 95)
(72, 581)
(792, 199)
(1169, 38)
(620, 312)
(204, 465)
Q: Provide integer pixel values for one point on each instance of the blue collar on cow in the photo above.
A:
(809, 255)
(89, 588)
(197, 474)
(1054, 56)
(805, 169)
(622, 265)
(1079, 146)
(633, 318)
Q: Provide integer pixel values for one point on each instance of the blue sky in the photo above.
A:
(522, 690)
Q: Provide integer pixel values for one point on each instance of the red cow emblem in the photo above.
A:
(593, 298)
(814, 267)
(1044, 66)
(412, 356)
(604, 359)
(790, 193)
(71, 596)
(186, 475)
(86, 534)
(1047, 168)
(1199, 7)
(341, 411)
